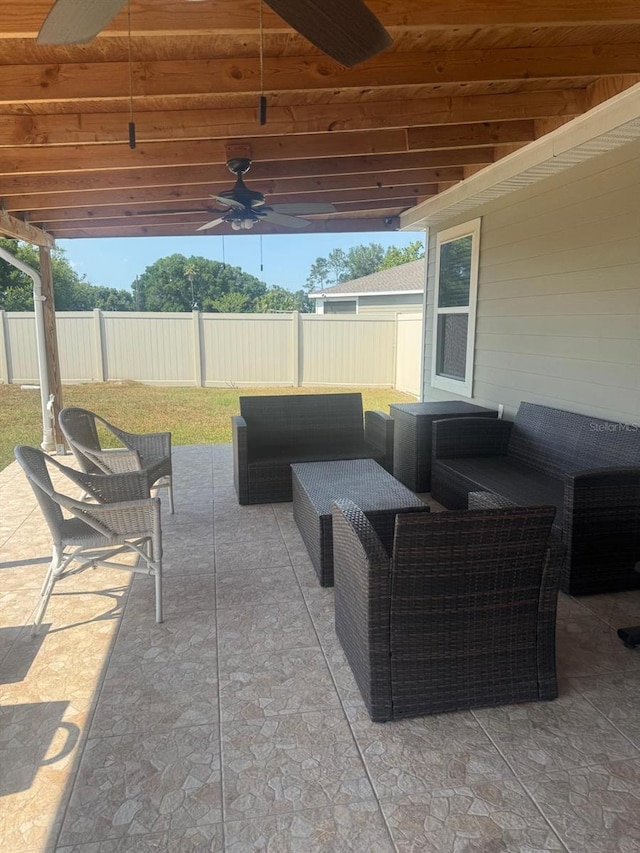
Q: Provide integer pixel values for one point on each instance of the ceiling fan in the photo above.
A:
(346, 31)
(247, 207)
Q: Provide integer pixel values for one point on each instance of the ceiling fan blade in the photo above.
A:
(302, 208)
(229, 202)
(281, 219)
(347, 32)
(211, 224)
(73, 22)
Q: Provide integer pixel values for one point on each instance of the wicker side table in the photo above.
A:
(412, 437)
(316, 485)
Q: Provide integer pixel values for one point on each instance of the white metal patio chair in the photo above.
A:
(149, 452)
(123, 518)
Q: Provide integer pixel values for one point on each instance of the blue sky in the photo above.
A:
(287, 259)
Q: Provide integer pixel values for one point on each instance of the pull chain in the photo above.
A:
(132, 124)
(262, 101)
(261, 267)
(224, 263)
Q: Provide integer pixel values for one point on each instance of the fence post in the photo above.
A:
(295, 349)
(197, 348)
(98, 345)
(5, 358)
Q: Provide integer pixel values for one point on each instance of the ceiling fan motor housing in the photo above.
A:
(239, 165)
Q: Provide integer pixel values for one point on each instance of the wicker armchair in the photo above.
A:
(460, 615)
(149, 452)
(121, 517)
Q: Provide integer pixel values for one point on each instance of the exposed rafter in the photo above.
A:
(461, 86)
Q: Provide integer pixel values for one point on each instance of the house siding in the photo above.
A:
(403, 303)
(558, 318)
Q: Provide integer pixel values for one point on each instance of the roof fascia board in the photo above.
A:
(365, 293)
(614, 122)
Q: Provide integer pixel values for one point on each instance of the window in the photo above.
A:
(340, 307)
(455, 308)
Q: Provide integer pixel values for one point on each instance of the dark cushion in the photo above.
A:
(519, 483)
(560, 442)
(319, 454)
(302, 425)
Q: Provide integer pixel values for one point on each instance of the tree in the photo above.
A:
(112, 299)
(279, 299)
(72, 292)
(233, 302)
(359, 261)
(364, 260)
(395, 255)
(178, 283)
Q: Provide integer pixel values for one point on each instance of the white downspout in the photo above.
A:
(48, 442)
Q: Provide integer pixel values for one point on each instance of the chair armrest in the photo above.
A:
(239, 440)
(362, 584)
(112, 461)
(125, 519)
(150, 445)
(457, 438)
(378, 432)
(602, 488)
(601, 530)
(111, 488)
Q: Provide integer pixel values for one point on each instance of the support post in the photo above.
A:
(51, 345)
(5, 373)
(295, 348)
(98, 346)
(197, 349)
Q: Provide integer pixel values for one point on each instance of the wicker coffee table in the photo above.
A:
(317, 484)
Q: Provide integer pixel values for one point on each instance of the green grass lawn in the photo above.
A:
(192, 415)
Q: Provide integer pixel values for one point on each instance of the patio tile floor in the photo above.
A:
(236, 725)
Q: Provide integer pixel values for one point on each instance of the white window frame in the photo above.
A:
(463, 387)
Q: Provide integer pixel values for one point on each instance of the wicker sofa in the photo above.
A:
(588, 468)
(272, 432)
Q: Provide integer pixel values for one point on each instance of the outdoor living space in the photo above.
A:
(236, 724)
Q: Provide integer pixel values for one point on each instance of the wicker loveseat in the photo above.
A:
(588, 468)
(272, 432)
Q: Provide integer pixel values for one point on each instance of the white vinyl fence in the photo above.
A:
(221, 350)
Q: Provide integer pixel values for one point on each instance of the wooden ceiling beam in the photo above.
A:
(173, 17)
(469, 135)
(11, 226)
(372, 194)
(336, 225)
(24, 84)
(166, 195)
(323, 167)
(96, 158)
(119, 156)
(92, 128)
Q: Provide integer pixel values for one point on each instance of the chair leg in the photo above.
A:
(171, 494)
(55, 569)
(155, 554)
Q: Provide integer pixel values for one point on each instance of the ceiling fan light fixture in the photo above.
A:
(243, 224)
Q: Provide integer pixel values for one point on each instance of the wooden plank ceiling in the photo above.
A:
(463, 84)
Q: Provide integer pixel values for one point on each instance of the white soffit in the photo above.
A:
(604, 128)
(367, 293)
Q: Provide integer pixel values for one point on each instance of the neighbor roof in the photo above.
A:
(401, 279)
